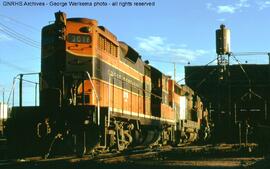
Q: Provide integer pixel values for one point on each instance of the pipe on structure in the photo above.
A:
(20, 90)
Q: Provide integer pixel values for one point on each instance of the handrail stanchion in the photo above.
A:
(98, 104)
(20, 89)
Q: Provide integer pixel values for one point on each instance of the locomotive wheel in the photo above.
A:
(137, 137)
(150, 137)
(80, 145)
(87, 140)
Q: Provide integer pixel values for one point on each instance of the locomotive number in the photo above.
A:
(76, 38)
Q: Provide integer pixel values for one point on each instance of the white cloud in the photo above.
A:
(243, 3)
(158, 47)
(221, 19)
(3, 36)
(228, 8)
(263, 4)
(209, 5)
(183, 45)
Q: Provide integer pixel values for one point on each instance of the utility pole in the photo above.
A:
(3, 95)
(2, 112)
(3, 101)
(174, 71)
(174, 66)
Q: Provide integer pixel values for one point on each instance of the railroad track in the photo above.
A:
(159, 157)
(92, 160)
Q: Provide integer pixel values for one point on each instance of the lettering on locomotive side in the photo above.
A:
(125, 96)
(122, 77)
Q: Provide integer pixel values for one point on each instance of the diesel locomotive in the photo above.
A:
(97, 94)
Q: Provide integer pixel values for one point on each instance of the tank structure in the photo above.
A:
(223, 44)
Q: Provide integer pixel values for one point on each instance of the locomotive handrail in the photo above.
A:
(29, 81)
(97, 97)
(19, 77)
(109, 100)
(12, 88)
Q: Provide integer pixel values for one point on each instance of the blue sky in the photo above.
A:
(179, 31)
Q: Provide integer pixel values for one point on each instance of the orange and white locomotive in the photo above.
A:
(96, 93)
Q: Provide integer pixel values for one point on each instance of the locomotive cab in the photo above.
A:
(66, 56)
(67, 72)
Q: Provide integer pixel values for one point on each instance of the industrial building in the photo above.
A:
(236, 94)
(234, 97)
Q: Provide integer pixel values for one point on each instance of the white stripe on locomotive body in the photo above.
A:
(135, 114)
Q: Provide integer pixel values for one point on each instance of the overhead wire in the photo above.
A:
(206, 76)
(14, 66)
(210, 73)
(22, 38)
(202, 68)
(19, 34)
(16, 21)
(19, 39)
(159, 60)
(248, 53)
(10, 32)
(242, 68)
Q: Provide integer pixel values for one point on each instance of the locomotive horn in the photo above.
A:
(60, 18)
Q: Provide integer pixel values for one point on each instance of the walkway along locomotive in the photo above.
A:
(96, 93)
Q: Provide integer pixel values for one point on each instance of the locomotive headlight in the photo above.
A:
(85, 29)
(86, 122)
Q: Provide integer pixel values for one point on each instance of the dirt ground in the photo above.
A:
(223, 156)
(218, 163)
